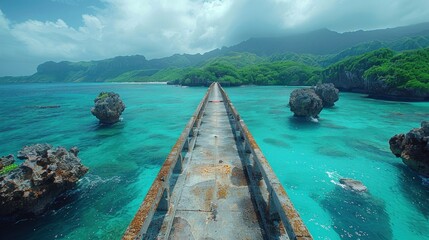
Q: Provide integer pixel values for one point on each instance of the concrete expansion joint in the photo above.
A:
(194, 210)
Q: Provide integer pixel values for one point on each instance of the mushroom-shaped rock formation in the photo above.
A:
(108, 107)
(413, 148)
(46, 173)
(353, 185)
(305, 103)
(328, 93)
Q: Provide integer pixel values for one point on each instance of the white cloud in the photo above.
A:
(157, 28)
(92, 25)
(4, 23)
(164, 27)
(49, 39)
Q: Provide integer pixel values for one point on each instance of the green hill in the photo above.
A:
(387, 63)
(265, 73)
(384, 74)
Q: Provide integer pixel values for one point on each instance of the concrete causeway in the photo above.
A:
(213, 185)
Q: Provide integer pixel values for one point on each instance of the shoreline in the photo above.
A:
(147, 83)
(358, 91)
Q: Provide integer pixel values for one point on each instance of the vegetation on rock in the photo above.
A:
(108, 107)
(46, 173)
(384, 73)
(8, 168)
(408, 70)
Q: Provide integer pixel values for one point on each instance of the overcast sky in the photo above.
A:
(32, 32)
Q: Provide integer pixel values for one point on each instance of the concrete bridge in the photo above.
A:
(216, 184)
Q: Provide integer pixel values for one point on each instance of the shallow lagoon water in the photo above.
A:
(351, 140)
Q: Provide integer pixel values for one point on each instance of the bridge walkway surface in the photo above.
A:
(216, 184)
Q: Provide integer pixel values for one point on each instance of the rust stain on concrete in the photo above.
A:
(222, 191)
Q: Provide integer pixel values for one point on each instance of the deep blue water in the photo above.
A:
(351, 140)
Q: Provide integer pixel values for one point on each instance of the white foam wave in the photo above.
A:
(91, 181)
(335, 176)
(315, 120)
(425, 181)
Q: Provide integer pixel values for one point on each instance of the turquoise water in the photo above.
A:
(351, 140)
(123, 160)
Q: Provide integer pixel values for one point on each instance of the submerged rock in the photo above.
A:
(413, 148)
(357, 215)
(305, 103)
(46, 173)
(353, 185)
(44, 106)
(328, 93)
(108, 107)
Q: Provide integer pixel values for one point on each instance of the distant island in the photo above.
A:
(387, 64)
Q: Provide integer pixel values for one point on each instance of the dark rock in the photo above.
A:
(108, 107)
(6, 161)
(380, 89)
(305, 103)
(346, 80)
(353, 185)
(328, 93)
(74, 150)
(44, 107)
(413, 148)
(377, 88)
(33, 150)
(51, 106)
(356, 215)
(46, 173)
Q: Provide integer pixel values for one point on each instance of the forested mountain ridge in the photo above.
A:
(394, 64)
(319, 48)
(324, 41)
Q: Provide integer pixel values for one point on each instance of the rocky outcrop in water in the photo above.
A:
(46, 173)
(6, 161)
(108, 107)
(305, 103)
(413, 148)
(380, 89)
(355, 81)
(353, 184)
(328, 93)
(33, 151)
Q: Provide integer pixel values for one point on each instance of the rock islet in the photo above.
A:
(46, 173)
(108, 107)
(413, 148)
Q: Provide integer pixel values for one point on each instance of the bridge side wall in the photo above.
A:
(277, 204)
(158, 194)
